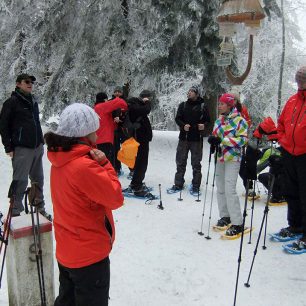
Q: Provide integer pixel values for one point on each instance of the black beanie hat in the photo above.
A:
(101, 97)
(145, 94)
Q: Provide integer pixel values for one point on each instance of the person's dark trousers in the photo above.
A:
(27, 163)
(277, 190)
(295, 191)
(108, 149)
(87, 286)
(141, 165)
(183, 148)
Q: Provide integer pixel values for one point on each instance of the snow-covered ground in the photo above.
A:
(159, 259)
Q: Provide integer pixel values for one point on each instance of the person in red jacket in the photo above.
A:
(84, 190)
(106, 131)
(292, 138)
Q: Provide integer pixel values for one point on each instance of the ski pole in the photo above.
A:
(241, 240)
(7, 225)
(252, 211)
(212, 193)
(201, 140)
(206, 187)
(160, 206)
(31, 192)
(180, 198)
(264, 219)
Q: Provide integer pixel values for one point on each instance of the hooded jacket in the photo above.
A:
(138, 113)
(193, 113)
(291, 127)
(19, 122)
(84, 193)
(232, 129)
(107, 127)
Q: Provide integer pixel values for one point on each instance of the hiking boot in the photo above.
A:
(275, 200)
(223, 222)
(175, 188)
(299, 245)
(143, 186)
(43, 212)
(233, 230)
(289, 232)
(195, 189)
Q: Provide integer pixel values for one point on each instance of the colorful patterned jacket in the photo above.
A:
(232, 129)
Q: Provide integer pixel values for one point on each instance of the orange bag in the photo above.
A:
(128, 152)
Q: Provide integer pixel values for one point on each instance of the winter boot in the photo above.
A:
(234, 230)
(222, 224)
(274, 201)
(290, 232)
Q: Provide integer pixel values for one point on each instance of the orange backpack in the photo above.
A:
(128, 152)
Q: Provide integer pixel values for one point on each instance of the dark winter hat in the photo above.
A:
(77, 120)
(25, 76)
(118, 88)
(145, 94)
(101, 97)
(195, 89)
(227, 98)
(300, 75)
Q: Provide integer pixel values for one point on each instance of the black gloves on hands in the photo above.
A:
(214, 140)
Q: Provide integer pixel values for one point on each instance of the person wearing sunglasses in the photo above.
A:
(22, 139)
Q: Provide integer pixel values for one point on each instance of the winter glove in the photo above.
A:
(214, 140)
(267, 127)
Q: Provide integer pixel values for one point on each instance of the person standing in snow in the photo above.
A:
(191, 117)
(139, 109)
(84, 190)
(229, 136)
(106, 131)
(292, 138)
(22, 138)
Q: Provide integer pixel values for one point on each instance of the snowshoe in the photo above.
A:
(222, 224)
(234, 232)
(287, 234)
(142, 192)
(277, 202)
(174, 189)
(194, 191)
(298, 247)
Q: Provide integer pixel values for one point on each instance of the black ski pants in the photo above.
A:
(119, 138)
(183, 148)
(141, 165)
(87, 286)
(108, 149)
(295, 191)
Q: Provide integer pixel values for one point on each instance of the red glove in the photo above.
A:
(268, 127)
(257, 134)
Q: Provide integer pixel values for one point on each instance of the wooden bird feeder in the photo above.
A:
(248, 12)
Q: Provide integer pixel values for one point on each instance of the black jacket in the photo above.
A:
(193, 113)
(138, 112)
(19, 122)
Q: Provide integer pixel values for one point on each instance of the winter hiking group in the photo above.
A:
(91, 143)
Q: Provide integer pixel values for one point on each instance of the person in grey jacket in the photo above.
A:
(22, 138)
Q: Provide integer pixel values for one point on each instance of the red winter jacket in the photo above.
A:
(107, 127)
(292, 125)
(245, 115)
(84, 194)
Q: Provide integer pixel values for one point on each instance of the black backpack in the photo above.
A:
(128, 127)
